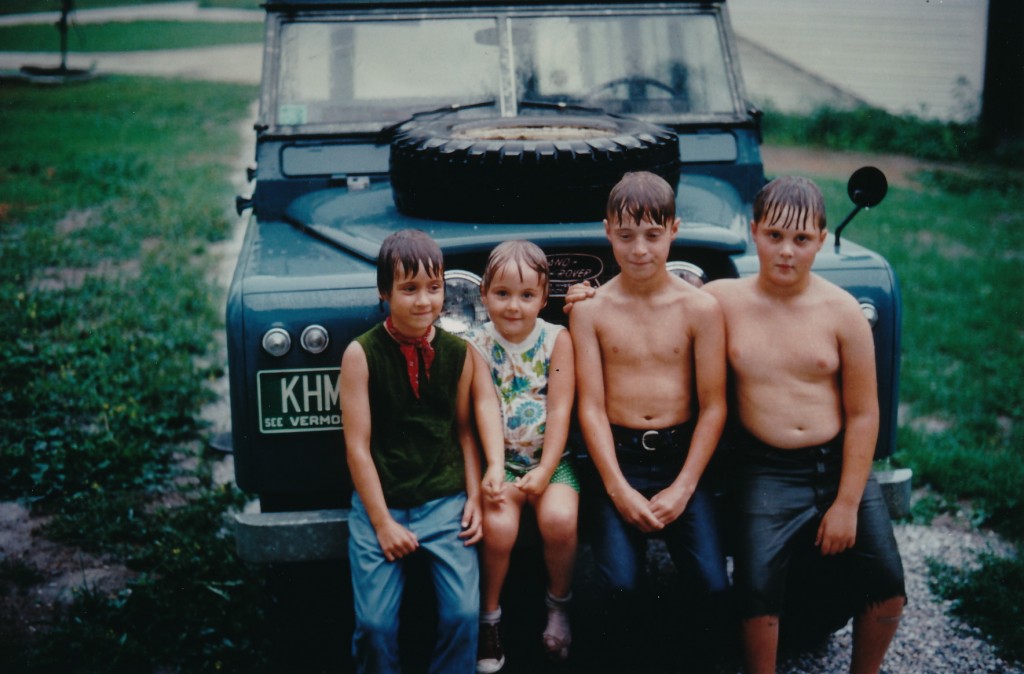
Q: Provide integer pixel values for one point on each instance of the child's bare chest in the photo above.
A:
(645, 339)
(772, 347)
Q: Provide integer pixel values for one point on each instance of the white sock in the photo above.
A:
(491, 617)
(558, 617)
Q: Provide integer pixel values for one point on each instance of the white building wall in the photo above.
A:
(924, 57)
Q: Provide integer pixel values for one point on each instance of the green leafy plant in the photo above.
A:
(110, 193)
(869, 129)
(988, 597)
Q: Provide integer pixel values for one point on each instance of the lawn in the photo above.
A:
(129, 36)
(111, 193)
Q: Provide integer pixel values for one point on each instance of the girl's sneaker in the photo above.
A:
(490, 657)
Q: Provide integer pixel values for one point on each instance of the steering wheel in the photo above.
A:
(635, 84)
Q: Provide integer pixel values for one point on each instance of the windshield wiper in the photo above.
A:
(387, 133)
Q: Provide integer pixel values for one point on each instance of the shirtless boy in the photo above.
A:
(803, 359)
(651, 375)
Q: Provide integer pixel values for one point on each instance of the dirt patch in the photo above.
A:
(39, 578)
(900, 171)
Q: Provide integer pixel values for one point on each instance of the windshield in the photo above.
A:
(633, 64)
(384, 71)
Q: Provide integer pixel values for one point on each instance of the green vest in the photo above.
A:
(414, 441)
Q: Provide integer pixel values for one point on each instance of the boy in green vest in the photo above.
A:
(406, 395)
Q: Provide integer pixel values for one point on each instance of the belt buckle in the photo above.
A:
(649, 434)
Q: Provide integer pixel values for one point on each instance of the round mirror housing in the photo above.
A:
(867, 187)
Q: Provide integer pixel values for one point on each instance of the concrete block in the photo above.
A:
(895, 486)
(263, 538)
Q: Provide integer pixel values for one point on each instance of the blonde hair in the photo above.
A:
(523, 254)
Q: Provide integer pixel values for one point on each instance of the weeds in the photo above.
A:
(868, 129)
(988, 597)
(956, 249)
(110, 192)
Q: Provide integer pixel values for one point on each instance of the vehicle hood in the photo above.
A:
(358, 221)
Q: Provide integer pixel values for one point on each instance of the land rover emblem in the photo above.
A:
(572, 268)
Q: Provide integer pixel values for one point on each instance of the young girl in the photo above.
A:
(531, 365)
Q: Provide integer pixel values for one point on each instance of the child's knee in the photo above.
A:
(500, 531)
(557, 526)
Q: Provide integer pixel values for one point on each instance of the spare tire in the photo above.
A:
(523, 169)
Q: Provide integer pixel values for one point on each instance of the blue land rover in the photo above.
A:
(477, 121)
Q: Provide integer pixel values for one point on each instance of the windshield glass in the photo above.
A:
(370, 71)
(625, 64)
(383, 71)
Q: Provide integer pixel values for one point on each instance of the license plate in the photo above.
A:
(298, 401)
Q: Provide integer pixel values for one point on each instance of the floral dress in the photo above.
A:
(520, 375)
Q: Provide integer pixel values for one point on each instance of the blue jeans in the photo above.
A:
(693, 540)
(650, 460)
(378, 585)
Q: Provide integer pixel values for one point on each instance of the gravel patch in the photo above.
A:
(929, 639)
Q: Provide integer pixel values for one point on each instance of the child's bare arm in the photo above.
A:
(838, 529)
(594, 423)
(395, 540)
(472, 529)
(489, 425)
(561, 391)
(710, 383)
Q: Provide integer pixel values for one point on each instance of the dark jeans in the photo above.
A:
(650, 462)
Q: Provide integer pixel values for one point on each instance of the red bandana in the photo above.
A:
(412, 348)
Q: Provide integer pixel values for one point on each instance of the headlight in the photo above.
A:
(687, 271)
(277, 341)
(870, 313)
(463, 309)
(314, 339)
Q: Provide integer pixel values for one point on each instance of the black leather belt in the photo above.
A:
(654, 440)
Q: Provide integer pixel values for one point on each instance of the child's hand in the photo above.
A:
(472, 522)
(534, 482)
(838, 529)
(636, 510)
(577, 293)
(396, 541)
(668, 504)
(494, 484)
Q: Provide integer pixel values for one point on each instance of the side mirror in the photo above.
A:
(866, 187)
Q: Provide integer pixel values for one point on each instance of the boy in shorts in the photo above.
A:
(803, 359)
(405, 395)
(651, 382)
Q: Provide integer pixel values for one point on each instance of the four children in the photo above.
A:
(648, 356)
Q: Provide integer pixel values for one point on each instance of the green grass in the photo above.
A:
(960, 261)
(129, 36)
(873, 130)
(956, 248)
(110, 193)
(30, 6)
